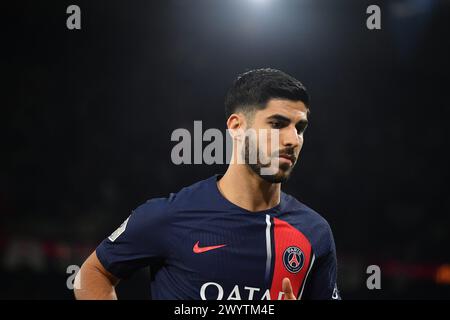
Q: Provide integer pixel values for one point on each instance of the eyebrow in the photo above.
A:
(281, 118)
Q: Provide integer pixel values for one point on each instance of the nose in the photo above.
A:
(290, 138)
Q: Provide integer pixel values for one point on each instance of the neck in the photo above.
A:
(244, 188)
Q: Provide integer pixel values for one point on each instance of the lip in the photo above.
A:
(286, 158)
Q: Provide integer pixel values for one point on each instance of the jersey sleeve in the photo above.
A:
(322, 282)
(139, 241)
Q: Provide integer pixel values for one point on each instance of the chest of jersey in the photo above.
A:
(237, 256)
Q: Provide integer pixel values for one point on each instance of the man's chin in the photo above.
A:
(275, 178)
(282, 175)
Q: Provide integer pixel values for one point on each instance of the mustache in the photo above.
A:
(288, 153)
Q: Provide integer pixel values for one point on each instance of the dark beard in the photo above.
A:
(282, 174)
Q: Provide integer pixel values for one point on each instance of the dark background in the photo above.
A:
(88, 116)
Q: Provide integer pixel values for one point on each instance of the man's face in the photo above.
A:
(288, 120)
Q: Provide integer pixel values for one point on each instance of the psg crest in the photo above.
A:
(293, 259)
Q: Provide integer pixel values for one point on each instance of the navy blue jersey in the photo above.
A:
(201, 246)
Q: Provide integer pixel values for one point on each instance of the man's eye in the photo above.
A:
(301, 129)
(275, 125)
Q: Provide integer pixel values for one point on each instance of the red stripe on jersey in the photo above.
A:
(285, 236)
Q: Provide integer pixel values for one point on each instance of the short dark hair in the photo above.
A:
(252, 90)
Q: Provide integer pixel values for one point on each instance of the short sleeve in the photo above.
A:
(139, 241)
(322, 282)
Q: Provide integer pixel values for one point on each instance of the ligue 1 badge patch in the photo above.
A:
(119, 231)
(293, 259)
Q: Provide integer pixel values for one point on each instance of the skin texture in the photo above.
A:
(286, 118)
(94, 282)
(287, 289)
(241, 185)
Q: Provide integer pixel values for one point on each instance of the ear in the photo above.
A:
(234, 121)
(236, 125)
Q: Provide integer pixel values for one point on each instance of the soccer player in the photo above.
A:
(232, 236)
